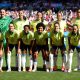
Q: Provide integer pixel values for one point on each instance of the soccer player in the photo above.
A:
(57, 42)
(63, 26)
(77, 21)
(25, 44)
(73, 38)
(38, 19)
(11, 41)
(19, 23)
(40, 44)
(4, 23)
(1, 51)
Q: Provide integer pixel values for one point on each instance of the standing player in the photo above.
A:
(11, 41)
(4, 23)
(40, 43)
(74, 38)
(19, 23)
(25, 44)
(39, 18)
(1, 51)
(57, 42)
(63, 26)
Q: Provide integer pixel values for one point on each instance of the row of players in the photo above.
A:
(48, 42)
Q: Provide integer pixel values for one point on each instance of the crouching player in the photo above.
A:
(1, 51)
(57, 42)
(25, 45)
(40, 44)
(12, 41)
(73, 38)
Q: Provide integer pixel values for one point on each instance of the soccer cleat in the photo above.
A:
(47, 70)
(19, 70)
(51, 70)
(24, 70)
(69, 70)
(55, 68)
(34, 70)
(1, 70)
(9, 70)
(30, 70)
(63, 68)
(76, 69)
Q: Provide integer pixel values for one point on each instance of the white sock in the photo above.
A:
(64, 59)
(31, 62)
(35, 65)
(19, 61)
(1, 62)
(51, 60)
(9, 60)
(24, 61)
(47, 65)
(70, 59)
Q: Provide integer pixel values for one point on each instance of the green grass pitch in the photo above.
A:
(40, 74)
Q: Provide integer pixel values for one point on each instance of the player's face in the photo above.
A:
(21, 13)
(39, 15)
(26, 29)
(59, 16)
(57, 28)
(78, 14)
(11, 27)
(75, 29)
(2, 13)
(40, 29)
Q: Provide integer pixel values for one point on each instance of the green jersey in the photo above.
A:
(56, 38)
(74, 39)
(12, 37)
(26, 37)
(19, 24)
(34, 23)
(4, 23)
(41, 38)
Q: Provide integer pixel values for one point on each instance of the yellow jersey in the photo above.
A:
(74, 39)
(41, 38)
(26, 37)
(12, 37)
(56, 38)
